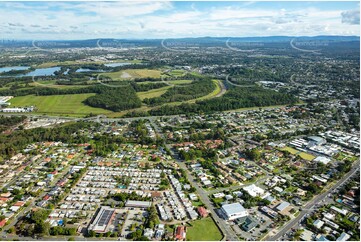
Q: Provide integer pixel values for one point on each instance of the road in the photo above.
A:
(227, 231)
(16, 218)
(313, 202)
(223, 89)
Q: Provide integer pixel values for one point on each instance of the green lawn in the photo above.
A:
(197, 203)
(290, 189)
(58, 104)
(306, 156)
(204, 229)
(303, 155)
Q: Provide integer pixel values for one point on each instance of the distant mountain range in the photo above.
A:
(207, 41)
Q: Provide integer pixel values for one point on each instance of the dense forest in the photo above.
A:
(67, 133)
(46, 91)
(6, 122)
(234, 98)
(14, 142)
(115, 99)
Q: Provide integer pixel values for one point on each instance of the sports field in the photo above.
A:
(58, 104)
(303, 155)
(204, 229)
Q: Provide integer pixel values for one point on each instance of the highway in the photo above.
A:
(313, 202)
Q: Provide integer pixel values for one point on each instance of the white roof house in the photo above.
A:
(234, 210)
(254, 191)
(318, 223)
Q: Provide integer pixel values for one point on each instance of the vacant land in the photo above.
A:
(204, 229)
(133, 73)
(58, 104)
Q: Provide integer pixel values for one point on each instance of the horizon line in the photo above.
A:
(215, 37)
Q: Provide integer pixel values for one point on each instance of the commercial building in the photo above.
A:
(102, 220)
(282, 206)
(234, 211)
(254, 191)
(138, 204)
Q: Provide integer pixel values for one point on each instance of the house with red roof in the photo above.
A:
(2, 223)
(180, 233)
(202, 212)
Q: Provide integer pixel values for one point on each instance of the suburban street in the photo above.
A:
(32, 204)
(313, 202)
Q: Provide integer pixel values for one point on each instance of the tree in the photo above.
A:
(254, 154)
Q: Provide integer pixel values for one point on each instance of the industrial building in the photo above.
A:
(102, 220)
(234, 211)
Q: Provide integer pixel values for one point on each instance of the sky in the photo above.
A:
(169, 19)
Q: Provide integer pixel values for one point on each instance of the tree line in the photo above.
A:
(234, 98)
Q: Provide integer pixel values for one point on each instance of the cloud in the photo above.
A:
(16, 24)
(170, 19)
(351, 17)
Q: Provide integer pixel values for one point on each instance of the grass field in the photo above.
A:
(179, 82)
(152, 93)
(51, 84)
(133, 73)
(177, 73)
(204, 229)
(58, 104)
(303, 155)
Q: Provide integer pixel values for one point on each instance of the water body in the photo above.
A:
(42, 72)
(13, 68)
(116, 64)
(88, 70)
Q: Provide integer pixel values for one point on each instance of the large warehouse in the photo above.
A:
(233, 211)
(102, 220)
